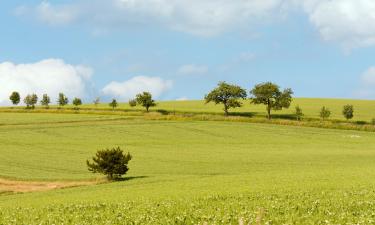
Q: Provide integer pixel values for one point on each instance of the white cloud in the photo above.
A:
(49, 76)
(192, 69)
(368, 77)
(348, 22)
(129, 89)
(197, 17)
(367, 84)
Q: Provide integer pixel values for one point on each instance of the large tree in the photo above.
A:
(145, 100)
(15, 98)
(227, 94)
(269, 94)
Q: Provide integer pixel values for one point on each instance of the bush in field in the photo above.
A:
(226, 94)
(111, 162)
(30, 101)
(325, 113)
(145, 100)
(45, 101)
(62, 100)
(77, 102)
(348, 112)
(269, 94)
(113, 104)
(133, 103)
(96, 101)
(299, 113)
(15, 98)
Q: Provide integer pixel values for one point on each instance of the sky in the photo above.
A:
(181, 49)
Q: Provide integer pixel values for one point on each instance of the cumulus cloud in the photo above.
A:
(197, 17)
(49, 76)
(192, 69)
(368, 77)
(367, 84)
(129, 89)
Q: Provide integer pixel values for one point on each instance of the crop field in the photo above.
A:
(189, 172)
(364, 110)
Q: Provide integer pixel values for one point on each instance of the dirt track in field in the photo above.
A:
(33, 186)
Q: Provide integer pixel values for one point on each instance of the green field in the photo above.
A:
(364, 109)
(190, 172)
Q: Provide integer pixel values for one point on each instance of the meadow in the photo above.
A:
(190, 172)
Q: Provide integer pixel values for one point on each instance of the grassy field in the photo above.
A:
(364, 109)
(188, 172)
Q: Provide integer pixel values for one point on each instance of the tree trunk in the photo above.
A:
(226, 110)
(269, 110)
(147, 108)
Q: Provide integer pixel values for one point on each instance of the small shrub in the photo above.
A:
(325, 113)
(348, 112)
(111, 162)
(133, 103)
(77, 102)
(299, 113)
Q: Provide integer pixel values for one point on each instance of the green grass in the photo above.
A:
(188, 172)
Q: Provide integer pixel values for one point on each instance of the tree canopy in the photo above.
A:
(15, 98)
(227, 94)
(62, 100)
(145, 100)
(269, 94)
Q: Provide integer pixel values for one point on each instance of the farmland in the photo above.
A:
(190, 172)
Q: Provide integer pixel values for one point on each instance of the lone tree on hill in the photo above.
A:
(111, 162)
(45, 101)
(62, 100)
(269, 94)
(227, 94)
(77, 102)
(325, 113)
(348, 112)
(299, 113)
(15, 98)
(113, 104)
(30, 101)
(145, 99)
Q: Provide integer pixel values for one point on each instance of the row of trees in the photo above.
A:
(144, 99)
(268, 94)
(347, 112)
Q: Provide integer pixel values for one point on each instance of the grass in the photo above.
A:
(187, 172)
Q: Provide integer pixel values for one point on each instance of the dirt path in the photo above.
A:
(32, 186)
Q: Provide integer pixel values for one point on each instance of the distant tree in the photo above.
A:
(15, 98)
(113, 104)
(299, 113)
(348, 112)
(325, 113)
(30, 101)
(227, 94)
(269, 94)
(45, 101)
(111, 162)
(62, 100)
(133, 103)
(145, 100)
(96, 101)
(77, 102)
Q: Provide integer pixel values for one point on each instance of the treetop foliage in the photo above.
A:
(226, 94)
(62, 100)
(15, 98)
(145, 100)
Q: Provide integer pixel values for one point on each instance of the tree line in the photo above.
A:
(268, 94)
(143, 99)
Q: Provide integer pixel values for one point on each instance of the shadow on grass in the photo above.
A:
(123, 179)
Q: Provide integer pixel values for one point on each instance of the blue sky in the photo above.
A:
(182, 49)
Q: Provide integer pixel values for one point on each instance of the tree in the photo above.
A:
(348, 112)
(77, 102)
(15, 98)
(299, 113)
(113, 104)
(133, 103)
(111, 162)
(62, 100)
(45, 101)
(96, 101)
(269, 94)
(145, 100)
(227, 94)
(30, 101)
(325, 113)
